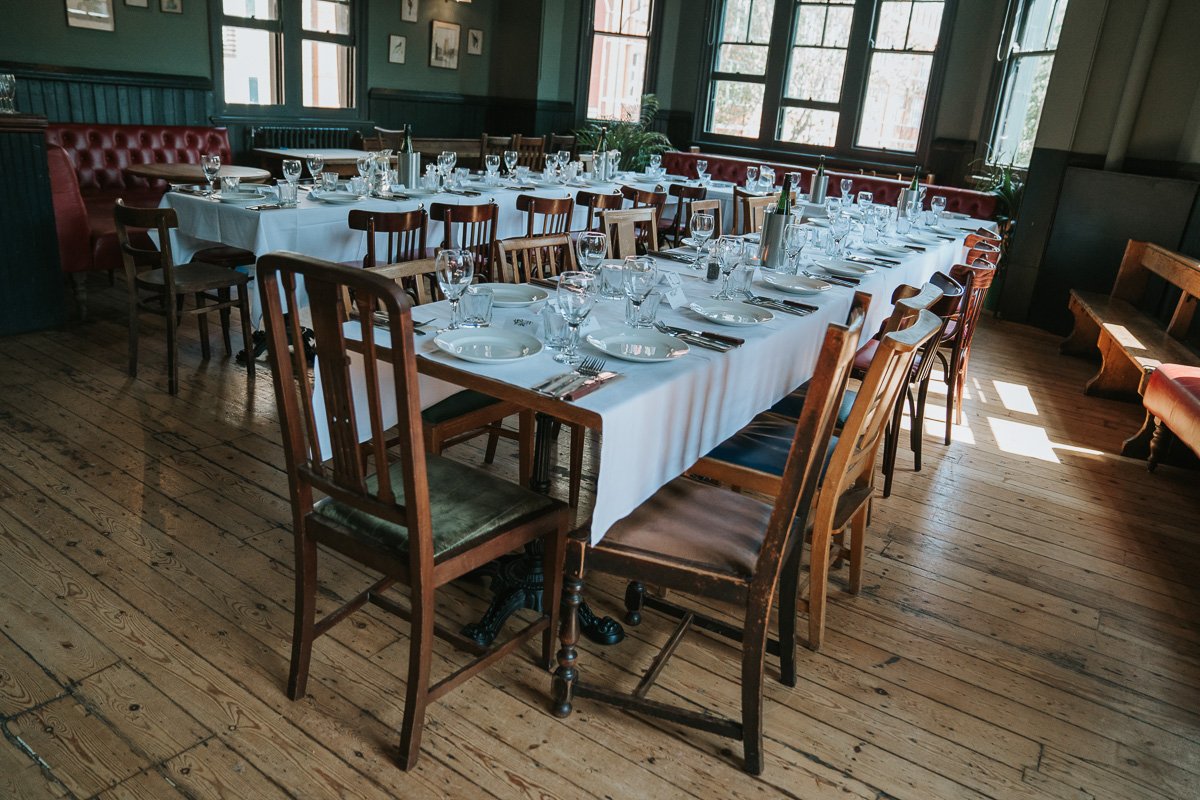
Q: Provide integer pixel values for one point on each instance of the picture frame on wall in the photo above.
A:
(474, 42)
(94, 14)
(444, 44)
(397, 47)
(170, 6)
(408, 10)
(138, 3)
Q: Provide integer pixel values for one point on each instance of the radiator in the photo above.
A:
(292, 136)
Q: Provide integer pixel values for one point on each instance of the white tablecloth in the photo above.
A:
(658, 419)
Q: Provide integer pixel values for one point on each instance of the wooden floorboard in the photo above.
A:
(1028, 626)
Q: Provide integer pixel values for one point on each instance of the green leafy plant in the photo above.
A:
(632, 137)
(1007, 183)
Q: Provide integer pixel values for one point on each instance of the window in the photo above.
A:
(1030, 57)
(287, 52)
(851, 76)
(620, 48)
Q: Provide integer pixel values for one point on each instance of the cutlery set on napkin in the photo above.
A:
(586, 378)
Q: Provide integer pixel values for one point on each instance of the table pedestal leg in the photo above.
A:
(516, 581)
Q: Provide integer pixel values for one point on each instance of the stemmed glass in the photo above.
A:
(752, 178)
(455, 269)
(291, 170)
(701, 169)
(510, 160)
(491, 162)
(315, 163)
(639, 276)
(210, 165)
(847, 186)
(839, 228)
(701, 227)
(363, 164)
(766, 179)
(655, 162)
(591, 248)
(446, 161)
(938, 206)
(865, 199)
(729, 254)
(564, 157)
(795, 237)
(576, 298)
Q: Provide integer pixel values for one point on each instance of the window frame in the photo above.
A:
(854, 87)
(587, 37)
(288, 27)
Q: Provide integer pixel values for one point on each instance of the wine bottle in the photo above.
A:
(603, 168)
(785, 196)
(915, 186)
(408, 145)
(817, 190)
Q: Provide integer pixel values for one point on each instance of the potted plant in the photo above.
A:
(633, 138)
(1007, 183)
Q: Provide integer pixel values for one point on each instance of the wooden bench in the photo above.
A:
(1132, 343)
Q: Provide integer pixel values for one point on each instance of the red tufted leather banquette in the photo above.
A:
(885, 190)
(1173, 396)
(96, 157)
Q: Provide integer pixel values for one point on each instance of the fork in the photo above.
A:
(589, 364)
(588, 369)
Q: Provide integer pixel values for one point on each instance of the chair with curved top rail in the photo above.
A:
(554, 212)
(470, 227)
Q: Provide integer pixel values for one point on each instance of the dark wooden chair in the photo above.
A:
(406, 231)
(531, 151)
(984, 251)
(156, 284)
(494, 146)
(955, 347)
(470, 227)
(708, 207)
(557, 142)
(671, 227)
(387, 139)
(534, 257)
(707, 541)
(463, 415)
(554, 212)
(430, 522)
(630, 231)
(655, 198)
(595, 202)
(756, 459)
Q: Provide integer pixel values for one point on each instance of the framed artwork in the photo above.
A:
(408, 10)
(443, 48)
(94, 14)
(171, 6)
(397, 45)
(138, 3)
(474, 42)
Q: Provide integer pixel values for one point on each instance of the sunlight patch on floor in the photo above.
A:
(1015, 397)
(1031, 441)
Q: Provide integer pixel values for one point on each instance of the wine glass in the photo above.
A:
(701, 228)
(639, 277)
(795, 237)
(839, 228)
(766, 179)
(751, 177)
(938, 206)
(491, 163)
(655, 161)
(210, 165)
(315, 163)
(865, 199)
(510, 160)
(701, 169)
(833, 207)
(564, 157)
(591, 248)
(291, 170)
(363, 164)
(455, 269)
(575, 301)
(729, 254)
(847, 187)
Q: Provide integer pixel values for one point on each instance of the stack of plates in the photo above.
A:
(339, 197)
(242, 196)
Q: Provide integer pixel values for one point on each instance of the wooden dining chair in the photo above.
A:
(156, 284)
(671, 227)
(708, 207)
(655, 198)
(531, 151)
(706, 541)
(985, 253)
(405, 230)
(494, 146)
(553, 213)
(469, 227)
(755, 458)
(558, 142)
(595, 202)
(973, 239)
(955, 348)
(463, 415)
(628, 228)
(389, 139)
(418, 519)
(741, 222)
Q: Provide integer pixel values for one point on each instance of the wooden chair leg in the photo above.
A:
(202, 323)
(575, 474)
(1159, 444)
(891, 444)
(635, 599)
(489, 454)
(172, 348)
(917, 434)
(858, 548)
(754, 651)
(247, 331)
(526, 431)
(554, 556)
(789, 595)
(818, 586)
(223, 297)
(305, 616)
(563, 684)
(134, 325)
(951, 390)
(416, 695)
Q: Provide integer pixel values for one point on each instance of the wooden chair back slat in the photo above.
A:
(708, 207)
(535, 257)
(1143, 259)
(594, 202)
(406, 232)
(555, 213)
(494, 145)
(531, 151)
(626, 227)
(417, 278)
(476, 231)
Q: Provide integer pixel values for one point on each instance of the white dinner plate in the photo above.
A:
(888, 250)
(513, 295)
(739, 315)
(820, 222)
(843, 269)
(241, 196)
(338, 198)
(637, 344)
(690, 242)
(399, 189)
(942, 229)
(920, 239)
(487, 345)
(794, 284)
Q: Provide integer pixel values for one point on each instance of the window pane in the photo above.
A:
(617, 76)
(761, 16)
(743, 59)
(636, 21)
(837, 27)
(810, 25)
(892, 30)
(631, 17)
(809, 126)
(736, 109)
(1035, 28)
(327, 70)
(816, 74)
(1021, 110)
(251, 9)
(925, 26)
(326, 16)
(1056, 25)
(895, 101)
(250, 58)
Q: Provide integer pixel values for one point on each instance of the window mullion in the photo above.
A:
(782, 24)
(858, 59)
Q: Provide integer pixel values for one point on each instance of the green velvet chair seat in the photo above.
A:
(761, 446)
(466, 504)
(790, 406)
(456, 405)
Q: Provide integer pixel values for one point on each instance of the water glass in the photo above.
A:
(766, 179)
(639, 276)
(865, 199)
(554, 327)
(287, 194)
(847, 186)
(491, 163)
(870, 227)
(655, 161)
(291, 170)
(740, 278)
(701, 226)
(591, 247)
(729, 255)
(903, 223)
(794, 238)
(476, 307)
(455, 269)
(210, 165)
(230, 183)
(833, 207)
(643, 315)
(522, 173)
(751, 178)
(358, 186)
(938, 206)
(329, 181)
(702, 169)
(363, 164)
(575, 301)
(612, 280)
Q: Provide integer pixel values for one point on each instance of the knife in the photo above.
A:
(700, 341)
(542, 282)
(872, 262)
(679, 257)
(837, 281)
(776, 305)
(732, 341)
(592, 385)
